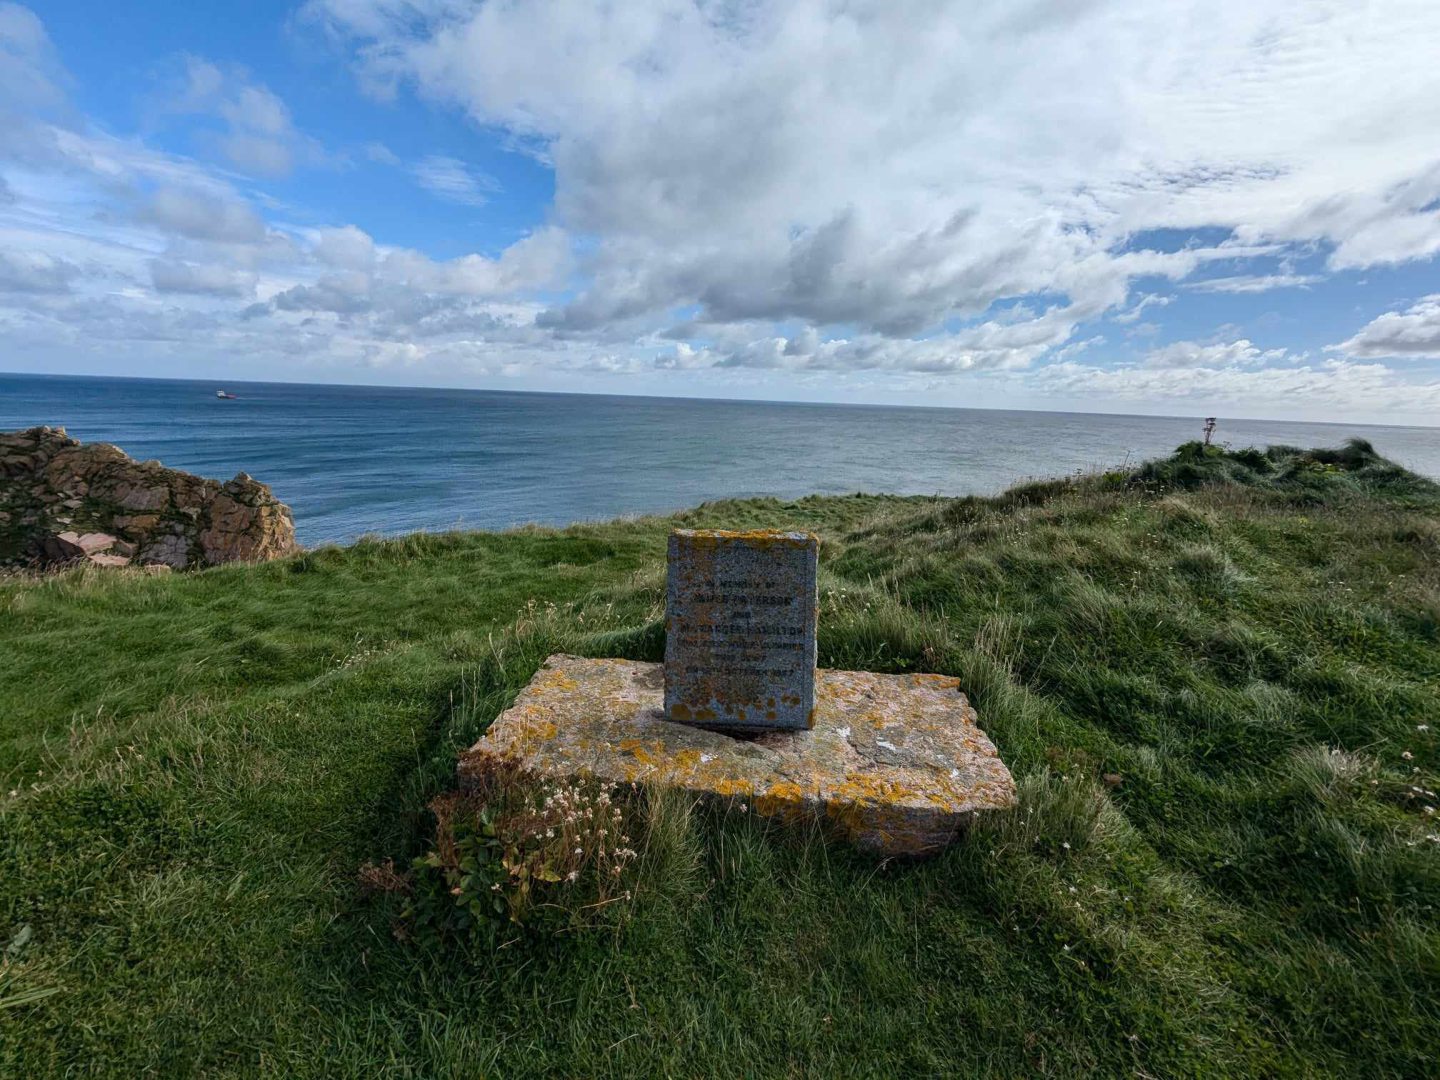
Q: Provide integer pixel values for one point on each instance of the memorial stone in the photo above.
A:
(740, 618)
(896, 764)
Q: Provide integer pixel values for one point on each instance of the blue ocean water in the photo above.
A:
(356, 459)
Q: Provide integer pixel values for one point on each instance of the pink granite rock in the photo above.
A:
(74, 500)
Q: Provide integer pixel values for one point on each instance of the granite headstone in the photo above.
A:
(740, 619)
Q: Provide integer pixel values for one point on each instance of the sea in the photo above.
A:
(351, 460)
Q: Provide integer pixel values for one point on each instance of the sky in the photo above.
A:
(1225, 207)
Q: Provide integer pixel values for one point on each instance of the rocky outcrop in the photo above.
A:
(62, 501)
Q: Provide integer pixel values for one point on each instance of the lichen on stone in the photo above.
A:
(911, 796)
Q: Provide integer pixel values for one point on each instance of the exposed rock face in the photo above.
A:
(62, 501)
(895, 763)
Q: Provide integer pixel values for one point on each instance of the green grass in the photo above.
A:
(1209, 677)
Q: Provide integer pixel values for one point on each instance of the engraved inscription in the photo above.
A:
(740, 629)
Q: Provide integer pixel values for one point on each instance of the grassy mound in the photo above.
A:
(1216, 678)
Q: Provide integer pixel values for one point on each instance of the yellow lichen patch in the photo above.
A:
(686, 759)
(731, 786)
(549, 680)
(852, 818)
(868, 787)
(652, 753)
(524, 736)
(712, 538)
(784, 799)
(611, 725)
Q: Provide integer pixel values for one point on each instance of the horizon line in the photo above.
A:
(719, 400)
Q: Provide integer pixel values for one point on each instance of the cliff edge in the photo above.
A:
(62, 501)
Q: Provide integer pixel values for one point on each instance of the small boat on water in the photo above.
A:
(226, 395)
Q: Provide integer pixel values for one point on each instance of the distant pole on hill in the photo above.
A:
(1209, 428)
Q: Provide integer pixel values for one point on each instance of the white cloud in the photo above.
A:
(174, 275)
(259, 137)
(1254, 283)
(1137, 309)
(35, 272)
(348, 248)
(121, 249)
(536, 262)
(894, 167)
(30, 73)
(402, 292)
(381, 154)
(1191, 354)
(203, 215)
(1414, 332)
(454, 180)
(944, 193)
(985, 346)
(339, 294)
(1335, 385)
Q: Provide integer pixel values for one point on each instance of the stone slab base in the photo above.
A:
(895, 763)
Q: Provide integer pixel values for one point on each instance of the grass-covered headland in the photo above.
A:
(1216, 679)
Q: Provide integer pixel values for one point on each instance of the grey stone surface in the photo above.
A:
(894, 763)
(740, 615)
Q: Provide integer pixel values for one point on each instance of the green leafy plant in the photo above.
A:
(516, 851)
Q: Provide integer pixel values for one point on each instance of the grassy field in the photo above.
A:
(1216, 679)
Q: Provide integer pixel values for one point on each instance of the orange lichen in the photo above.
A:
(686, 759)
(651, 754)
(548, 679)
(868, 787)
(712, 538)
(783, 800)
(731, 786)
(611, 725)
